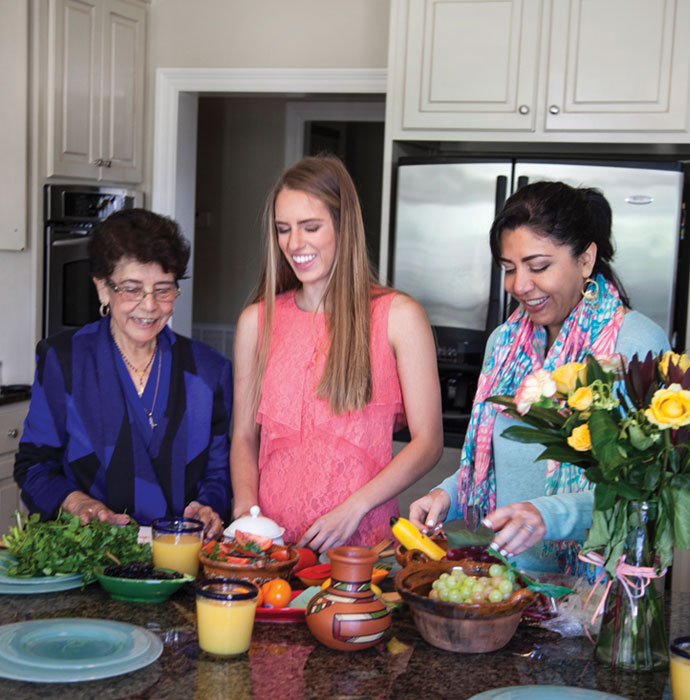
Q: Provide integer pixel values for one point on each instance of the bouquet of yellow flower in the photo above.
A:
(629, 429)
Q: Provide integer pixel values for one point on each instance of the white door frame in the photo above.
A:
(175, 124)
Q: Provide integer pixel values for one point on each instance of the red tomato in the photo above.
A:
(306, 558)
(281, 554)
(245, 537)
(276, 593)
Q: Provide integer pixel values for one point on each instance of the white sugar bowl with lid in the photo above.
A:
(256, 524)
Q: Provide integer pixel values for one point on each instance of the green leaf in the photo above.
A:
(598, 534)
(604, 434)
(639, 440)
(652, 476)
(627, 491)
(604, 498)
(459, 536)
(520, 433)
(681, 517)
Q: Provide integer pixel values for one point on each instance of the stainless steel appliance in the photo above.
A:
(443, 211)
(70, 212)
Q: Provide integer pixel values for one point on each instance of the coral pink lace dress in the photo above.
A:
(309, 460)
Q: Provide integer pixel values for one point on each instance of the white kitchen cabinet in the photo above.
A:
(11, 425)
(471, 64)
(619, 65)
(14, 76)
(540, 69)
(96, 89)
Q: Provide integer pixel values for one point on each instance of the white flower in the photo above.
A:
(532, 388)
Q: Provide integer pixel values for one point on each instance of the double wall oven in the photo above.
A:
(70, 213)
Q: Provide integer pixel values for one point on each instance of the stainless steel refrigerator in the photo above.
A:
(443, 209)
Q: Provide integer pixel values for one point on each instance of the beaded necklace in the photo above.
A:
(141, 373)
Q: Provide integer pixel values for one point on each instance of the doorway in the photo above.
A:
(243, 144)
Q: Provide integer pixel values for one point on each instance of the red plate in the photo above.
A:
(281, 615)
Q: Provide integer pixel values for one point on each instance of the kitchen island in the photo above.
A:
(286, 663)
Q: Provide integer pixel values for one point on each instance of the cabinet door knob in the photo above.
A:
(12, 432)
(523, 109)
(554, 109)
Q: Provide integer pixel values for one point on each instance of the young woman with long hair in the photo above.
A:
(328, 365)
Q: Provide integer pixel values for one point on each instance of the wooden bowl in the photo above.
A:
(405, 557)
(465, 627)
(258, 573)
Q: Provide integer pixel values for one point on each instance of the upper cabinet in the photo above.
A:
(619, 65)
(96, 89)
(471, 64)
(540, 69)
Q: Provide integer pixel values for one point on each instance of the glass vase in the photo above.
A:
(633, 631)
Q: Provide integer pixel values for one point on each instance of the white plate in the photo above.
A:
(74, 649)
(12, 585)
(544, 692)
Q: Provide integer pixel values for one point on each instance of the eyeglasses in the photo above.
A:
(163, 293)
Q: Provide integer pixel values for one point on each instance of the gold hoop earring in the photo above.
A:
(590, 291)
(104, 309)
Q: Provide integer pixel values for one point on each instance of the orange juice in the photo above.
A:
(179, 552)
(225, 615)
(680, 669)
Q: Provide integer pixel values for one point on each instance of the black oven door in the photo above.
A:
(71, 299)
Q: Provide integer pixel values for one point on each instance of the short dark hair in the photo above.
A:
(141, 235)
(572, 216)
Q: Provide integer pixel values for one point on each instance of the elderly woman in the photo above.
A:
(554, 243)
(128, 418)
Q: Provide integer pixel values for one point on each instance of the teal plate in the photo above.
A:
(544, 692)
(74, 649)
(14, 585)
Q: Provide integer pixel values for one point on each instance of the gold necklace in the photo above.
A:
(140, 372)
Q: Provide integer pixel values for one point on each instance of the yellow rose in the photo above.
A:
(682, 361)
(581, 399)
(566, 376)
(670, 408)
(580, 439)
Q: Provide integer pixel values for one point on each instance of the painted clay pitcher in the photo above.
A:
(347, 615)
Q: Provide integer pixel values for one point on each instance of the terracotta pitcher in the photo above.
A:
(347, 615)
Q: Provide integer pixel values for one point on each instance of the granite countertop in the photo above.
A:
(286, 662)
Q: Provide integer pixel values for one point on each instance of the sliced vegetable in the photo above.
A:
(246, 539)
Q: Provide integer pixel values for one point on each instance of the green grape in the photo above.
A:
(495, 596)
(444, 594)
(454, 596)
(497, 570)
(505, 586)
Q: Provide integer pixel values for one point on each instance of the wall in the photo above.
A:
(234, 135)
(262, 34)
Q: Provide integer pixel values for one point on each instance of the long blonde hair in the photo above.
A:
(346, 382)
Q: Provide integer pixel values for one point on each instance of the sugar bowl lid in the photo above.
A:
(255, 524)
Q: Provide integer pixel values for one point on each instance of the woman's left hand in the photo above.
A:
(213, 525)
(331, 529)
(518, 527)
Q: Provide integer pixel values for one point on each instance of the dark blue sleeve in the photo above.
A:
(38, 466)
(214, 488)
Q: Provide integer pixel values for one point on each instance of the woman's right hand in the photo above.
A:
(87, 509)
(427, 511)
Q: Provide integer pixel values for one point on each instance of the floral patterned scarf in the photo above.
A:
(519, 349)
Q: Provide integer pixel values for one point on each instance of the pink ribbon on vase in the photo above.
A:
(624, 573)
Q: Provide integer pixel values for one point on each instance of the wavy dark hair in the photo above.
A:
(572, 216)
(141, 235)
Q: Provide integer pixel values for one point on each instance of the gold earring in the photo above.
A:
(104, 309)
(590, 291)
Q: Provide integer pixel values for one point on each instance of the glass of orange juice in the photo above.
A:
(225, 610)
(176, 543)
(680, 668)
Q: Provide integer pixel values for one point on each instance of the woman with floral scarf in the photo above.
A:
(555, 246)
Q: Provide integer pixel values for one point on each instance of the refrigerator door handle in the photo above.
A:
(521, 182)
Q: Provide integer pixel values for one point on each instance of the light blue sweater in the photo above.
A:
(520, 478)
